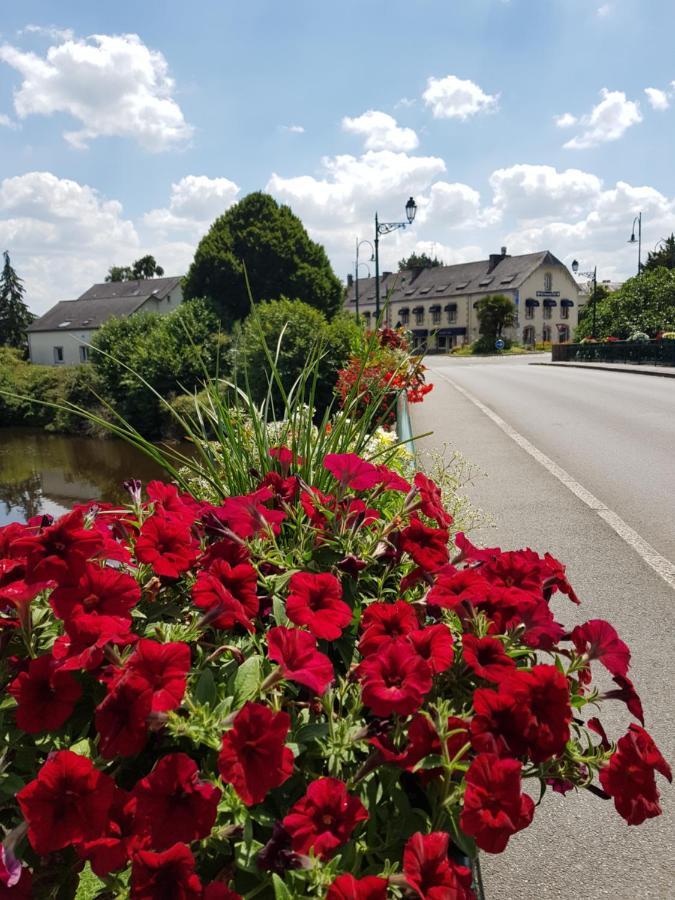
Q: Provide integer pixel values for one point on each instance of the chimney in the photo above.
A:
(495, 259)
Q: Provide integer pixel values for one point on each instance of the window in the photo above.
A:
(529, 312)
(548, 282)
(564, 312)
(84, 354)
(436, 315)
(419, 315)
(405, 316)
(58, 354)
(452, 314)
(547, 312)
(563, 334)
(546, 333)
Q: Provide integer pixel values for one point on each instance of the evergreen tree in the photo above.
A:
(15, 316)
(662, 257)
(419, 261)
(145, 267)
(261, 244)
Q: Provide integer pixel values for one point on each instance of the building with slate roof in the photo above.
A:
(61, 336)
(438, 305)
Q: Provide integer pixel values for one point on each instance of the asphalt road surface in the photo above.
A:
(614, 434)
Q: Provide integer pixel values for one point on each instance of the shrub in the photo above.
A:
(486, 344)
(28, 388)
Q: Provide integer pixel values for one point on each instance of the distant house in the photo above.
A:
(60, 336)
(438, 305)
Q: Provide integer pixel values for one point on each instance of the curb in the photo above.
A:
(632, 370)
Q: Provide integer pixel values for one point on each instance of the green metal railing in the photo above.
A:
(655, 353)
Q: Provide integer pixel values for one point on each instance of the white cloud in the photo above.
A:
(457, 98)
(541, 193)
(405, 103)
(381, 131)
(113, 84)
(607, 121)
(566, 120)
(603, 11)
(6, 122)
(195, 202)
(658, 99)
(293, 129)
(52, 32)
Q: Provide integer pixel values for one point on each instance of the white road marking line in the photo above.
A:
(663, 567)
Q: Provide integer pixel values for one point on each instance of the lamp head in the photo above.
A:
(631, 240)
(410, 210)
(575, 266)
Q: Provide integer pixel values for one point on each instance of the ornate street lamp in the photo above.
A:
(356, 271)
(386, 228)
(632, 240)
(594, 277)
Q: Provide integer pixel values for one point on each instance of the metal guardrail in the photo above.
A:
(655, 353)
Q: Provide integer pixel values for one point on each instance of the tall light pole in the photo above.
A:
(594, 277)
(386, 228)
(356, 271)
(632, 240)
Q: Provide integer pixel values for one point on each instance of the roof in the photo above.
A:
(102, 302)
(145, 288)
(446, 281)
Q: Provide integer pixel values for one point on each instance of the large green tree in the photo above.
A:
(263, 242)
(645, 302)
(662, 256)
(495, 313)
(418, 261)
(145, 267)
(15, 316)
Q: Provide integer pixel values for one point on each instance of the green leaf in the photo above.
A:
(279, 612)
(281, 892)
(312, 732)
(248, 680)
(83, 747)
(430, 762)
(205, 693)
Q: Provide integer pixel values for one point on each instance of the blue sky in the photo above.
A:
(126, 128)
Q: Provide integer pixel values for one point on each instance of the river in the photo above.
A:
(48, 473)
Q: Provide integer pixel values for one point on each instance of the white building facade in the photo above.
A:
(61, 336)
(438, 305)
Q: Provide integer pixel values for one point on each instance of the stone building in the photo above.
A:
(438, 305)
(61, 335)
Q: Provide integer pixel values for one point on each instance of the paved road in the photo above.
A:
(615, 435)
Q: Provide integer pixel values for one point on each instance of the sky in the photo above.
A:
(126, 128)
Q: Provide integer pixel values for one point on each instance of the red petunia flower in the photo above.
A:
(295, 652)
(45, 696)
(486, 657)
(431, 873)
(168, 501)
(254, 758)
(169, 874)
(597, 639)
(434, 644)
(470, 553)
(629, 776)
(67, 803)
(346, 887)
(284, 489)
(59, 551)
(121, 839)
(167, 545)
(530, 714)
(165, 668)
(626, 692)
(453, 588)
(247, 516)
(316, 601)
(324, 818)
(285, 457)
(423, 741)
(427, 546)
(315, 505)
(382, 622)
(87, 634)
(556, 579)
(228, 594)
(392, 481)
(121, 718)
(522, 569)
(174, 804)
(352, 471)
(432, 501)
(494, 807)
(394, 680)
(101, 590)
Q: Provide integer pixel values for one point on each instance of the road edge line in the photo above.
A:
(663, 567)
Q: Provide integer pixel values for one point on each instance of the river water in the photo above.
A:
(48, 473)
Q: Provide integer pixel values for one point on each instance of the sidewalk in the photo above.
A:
(662, 371)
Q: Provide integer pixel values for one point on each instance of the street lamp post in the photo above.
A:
(594, 277)
(356, 271)
(386, 228)
(632, 240)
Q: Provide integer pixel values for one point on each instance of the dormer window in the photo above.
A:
(548, 282)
